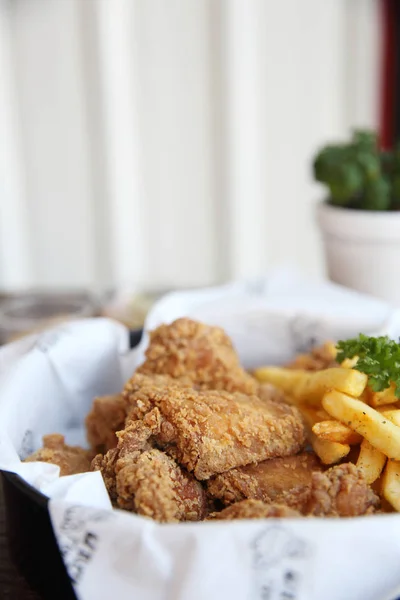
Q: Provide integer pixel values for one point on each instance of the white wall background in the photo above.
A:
(168, 143)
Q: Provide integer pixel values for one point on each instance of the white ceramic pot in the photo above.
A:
(362, 249)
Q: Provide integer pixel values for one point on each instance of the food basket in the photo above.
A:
(32, 543)
(104, 552)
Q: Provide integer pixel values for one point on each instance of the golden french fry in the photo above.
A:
(335, 431)
(368, 422)
(328, 452)
(313, 414)
(349, 363)
(330, 347)
(391, 484)
(365, 396)
(387, 408)
(385, 397)
(392, 415)
(306, 386)
(370, 462)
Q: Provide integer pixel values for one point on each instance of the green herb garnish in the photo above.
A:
(378, 357)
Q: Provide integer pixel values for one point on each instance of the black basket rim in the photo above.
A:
(31, 492)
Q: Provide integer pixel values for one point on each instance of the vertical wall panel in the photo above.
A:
(125, 166)
(175, 78)
(55, 141)
(91, 48)
(246, 184)
(303, 94)
(153, 143)
(15, 258)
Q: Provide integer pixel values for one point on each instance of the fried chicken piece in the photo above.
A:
(108, 413)
(132, 441)
(267, 391)
(107, 416)
(285, 481)
(341, 492)
(204, 354)
(70, 459)
(147, 481)
(255, 509)
(138, 380)
(321, 357)
(214, 431)
(106, 464)
(154, 486)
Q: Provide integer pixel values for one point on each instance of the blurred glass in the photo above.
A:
(32, 312)
(131, 307)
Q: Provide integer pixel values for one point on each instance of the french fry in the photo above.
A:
(306, 386)
(391, 484)
(365, 396)
(385, 397)
(335, 431)
(387, 408)
(392, 415)
(349, 363)
(368, 422)
(370, 462)
(330, 347)
(312, 414)
(329, 453)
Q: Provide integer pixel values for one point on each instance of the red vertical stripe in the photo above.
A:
(388, 72)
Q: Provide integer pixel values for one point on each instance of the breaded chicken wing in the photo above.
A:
(132, 441)
(267, 391)
(278, 480)
(255, 509)
(107, 416)
(146, 480)
(210, 432)
(106, 465)
(138, 380)
(154, 486)
(199, 352)
(341, 492)
(70, 459)
(108, 413)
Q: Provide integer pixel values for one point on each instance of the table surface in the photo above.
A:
(12, 586)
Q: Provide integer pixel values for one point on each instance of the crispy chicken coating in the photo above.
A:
(70, 459)
(132, 441)
(107, 464)
(255, 509)
(204, 354)
(154, 486)
(267, 391)
(105, 418)
(108, 413)
(146, 480)
(138, 380)
(341, 492)
(285, 481)
(210, 432)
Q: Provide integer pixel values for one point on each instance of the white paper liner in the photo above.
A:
(47, 384)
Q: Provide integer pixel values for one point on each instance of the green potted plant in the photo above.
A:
(360, 217)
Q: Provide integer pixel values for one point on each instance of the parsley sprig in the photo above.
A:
(378, 357)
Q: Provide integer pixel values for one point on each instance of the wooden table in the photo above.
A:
(12, 586)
